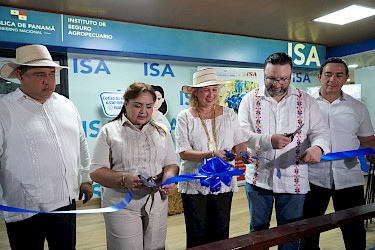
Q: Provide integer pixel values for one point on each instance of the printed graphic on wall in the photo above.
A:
(160, 107)
(112, 102)
(240, 81)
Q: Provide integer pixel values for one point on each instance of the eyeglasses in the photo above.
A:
(281, 80)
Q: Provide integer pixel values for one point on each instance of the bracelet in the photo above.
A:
(213, 153)
(122, 182)
(321, 150)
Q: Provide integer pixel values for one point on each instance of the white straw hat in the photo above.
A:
(201, 78)
(30, 55)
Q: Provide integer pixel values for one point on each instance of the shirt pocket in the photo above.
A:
(40, 192)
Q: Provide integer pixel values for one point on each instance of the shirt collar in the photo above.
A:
(19, 95)
(126, 122)
(317, 95)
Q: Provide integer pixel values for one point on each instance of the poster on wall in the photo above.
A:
(240, 81)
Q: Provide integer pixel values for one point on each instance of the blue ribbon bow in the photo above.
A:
(212, 173)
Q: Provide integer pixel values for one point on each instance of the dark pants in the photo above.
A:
(58, 229)
(316, 204)
(206, 217)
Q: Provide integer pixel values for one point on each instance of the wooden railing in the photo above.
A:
(292, 231)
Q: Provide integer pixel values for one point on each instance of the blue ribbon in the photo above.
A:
(212, 173)
(110, 209)
(347, 154)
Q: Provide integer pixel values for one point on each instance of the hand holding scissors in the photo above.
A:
(291, 135)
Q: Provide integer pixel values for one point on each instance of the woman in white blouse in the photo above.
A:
(130, 147)
(203, 131)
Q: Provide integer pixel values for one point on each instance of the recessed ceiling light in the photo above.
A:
(353, 66)
(347, 15)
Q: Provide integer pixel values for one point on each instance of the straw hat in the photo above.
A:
(201, 78)
(29, 55)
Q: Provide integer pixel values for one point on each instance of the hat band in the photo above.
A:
(35, 60)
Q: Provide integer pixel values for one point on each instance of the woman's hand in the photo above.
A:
(168, 189)
(220, 154)
(132, 181)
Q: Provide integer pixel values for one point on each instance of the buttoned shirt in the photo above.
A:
(43, 153)
(348, 118)
(121, 146)
(190, 135)
(261, 117)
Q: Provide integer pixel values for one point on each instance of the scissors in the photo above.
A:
(149, 182)
(291, 135)
(232, 156)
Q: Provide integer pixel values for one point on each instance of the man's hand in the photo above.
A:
(312, 155)
(279, 141)
(86, 189)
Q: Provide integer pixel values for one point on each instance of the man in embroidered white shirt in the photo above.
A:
(267, 115)
(350, 127)
(44, 160)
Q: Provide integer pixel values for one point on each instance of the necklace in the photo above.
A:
(213, 127)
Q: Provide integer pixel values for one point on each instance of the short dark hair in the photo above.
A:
(279, 58)
(334, 60)
(23, 68)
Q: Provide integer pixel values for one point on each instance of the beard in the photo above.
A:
(274, 93)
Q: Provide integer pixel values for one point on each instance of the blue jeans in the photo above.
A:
(289, 208)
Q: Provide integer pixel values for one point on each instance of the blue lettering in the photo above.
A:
(154, 70)
(183, 96)
(145, 69)
(75, 65)
(102, 67)
(94, 128)
(173, 124)
(307, 78)
(167, 70)
(153, 67)
(297, 77)
(84, 125)
(97, 189)
(85, 64)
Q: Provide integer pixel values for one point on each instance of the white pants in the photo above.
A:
(140, 225)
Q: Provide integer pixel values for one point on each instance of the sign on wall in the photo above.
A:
(27, 26)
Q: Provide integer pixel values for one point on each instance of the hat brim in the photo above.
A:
(9, 70)
(187, 89)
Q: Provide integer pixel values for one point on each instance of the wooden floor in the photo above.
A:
(91, 230)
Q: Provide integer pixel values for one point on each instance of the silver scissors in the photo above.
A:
(291, 135)
(149, 182)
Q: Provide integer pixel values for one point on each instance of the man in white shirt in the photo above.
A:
(350, 127)
(267, 115)
(44, 160)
